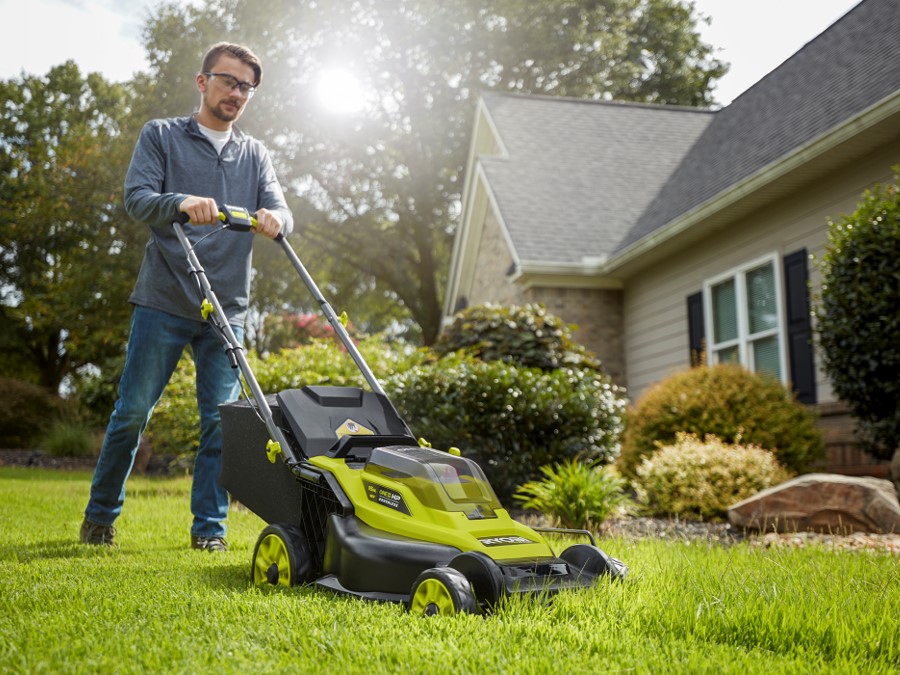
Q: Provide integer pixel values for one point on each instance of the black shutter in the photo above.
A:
(696, 330)
(799, 327)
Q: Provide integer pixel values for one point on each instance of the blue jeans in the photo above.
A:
(155, 345)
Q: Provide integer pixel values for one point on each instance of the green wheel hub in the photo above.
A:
(442, 591)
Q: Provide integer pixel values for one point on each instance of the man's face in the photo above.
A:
(224, 103)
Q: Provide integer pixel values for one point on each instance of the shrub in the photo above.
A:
(327, 363)
(66, 439)
(726, 401)
(26, 412)
(526, 335)
(175, 426)
(701, 479)
(511, 420)
(858, 316)
(575, 493)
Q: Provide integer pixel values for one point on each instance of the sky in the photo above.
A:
(754, 36)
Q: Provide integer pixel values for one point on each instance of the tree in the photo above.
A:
(379, 193)
(858, 316)
(68, 253)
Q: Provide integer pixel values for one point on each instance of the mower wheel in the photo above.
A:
(281, 557)
(483, 574)
(443, 591)
(589, 560)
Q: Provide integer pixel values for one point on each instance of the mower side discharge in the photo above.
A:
(355, 505)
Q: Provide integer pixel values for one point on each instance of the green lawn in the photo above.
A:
(154, 605)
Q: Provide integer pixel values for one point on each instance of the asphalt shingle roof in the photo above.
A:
(587, 179)
(850, 66)
(580, 173)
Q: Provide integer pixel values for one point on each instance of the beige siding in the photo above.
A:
(655, 306)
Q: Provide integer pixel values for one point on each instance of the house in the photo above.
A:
(669, 234)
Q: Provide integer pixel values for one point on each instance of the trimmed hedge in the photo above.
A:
(511, 420)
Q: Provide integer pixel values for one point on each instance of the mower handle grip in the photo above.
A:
(233, 217)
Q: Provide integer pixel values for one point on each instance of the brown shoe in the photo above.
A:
(97, 535)
(211, 544)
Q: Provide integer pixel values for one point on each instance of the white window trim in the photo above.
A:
(743, 341)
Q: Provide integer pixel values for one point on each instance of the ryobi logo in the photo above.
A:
(505, 541)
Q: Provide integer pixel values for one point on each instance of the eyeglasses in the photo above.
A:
(230, 82)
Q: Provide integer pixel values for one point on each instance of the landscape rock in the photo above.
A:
(821, 502)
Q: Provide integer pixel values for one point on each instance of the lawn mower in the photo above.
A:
(356, 504)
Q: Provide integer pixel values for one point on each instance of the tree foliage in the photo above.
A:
(858, 316)
(378, 193)
(67, 251)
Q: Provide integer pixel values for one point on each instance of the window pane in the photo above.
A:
(762, 309)
(765, 356)
(724, 312)
(729, 355)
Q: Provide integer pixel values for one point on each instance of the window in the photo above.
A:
(743, 310)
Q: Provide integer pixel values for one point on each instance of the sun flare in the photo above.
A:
(339, 91)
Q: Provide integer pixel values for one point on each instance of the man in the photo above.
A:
(191, 165)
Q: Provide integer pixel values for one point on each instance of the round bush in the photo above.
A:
(726, 401)
(701, 479)
(511, 420)
(527, 335)
(26, 412)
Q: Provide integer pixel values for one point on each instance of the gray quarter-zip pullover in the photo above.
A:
(172, 160)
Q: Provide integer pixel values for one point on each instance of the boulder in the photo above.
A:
(821, 502)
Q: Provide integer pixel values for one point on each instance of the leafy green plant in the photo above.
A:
(729, 402)
(511, 420)
(68, 439)
(695, 478)
(174, 427)
(575, 493)
(26, 411)
(858, 315)
(526, 335)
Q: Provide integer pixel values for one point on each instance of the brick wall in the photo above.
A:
(597, 314)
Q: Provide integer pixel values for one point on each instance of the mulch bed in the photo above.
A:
(629, 528)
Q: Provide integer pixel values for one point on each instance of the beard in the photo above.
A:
(220, 112)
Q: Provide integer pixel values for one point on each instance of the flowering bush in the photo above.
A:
(695, 478)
